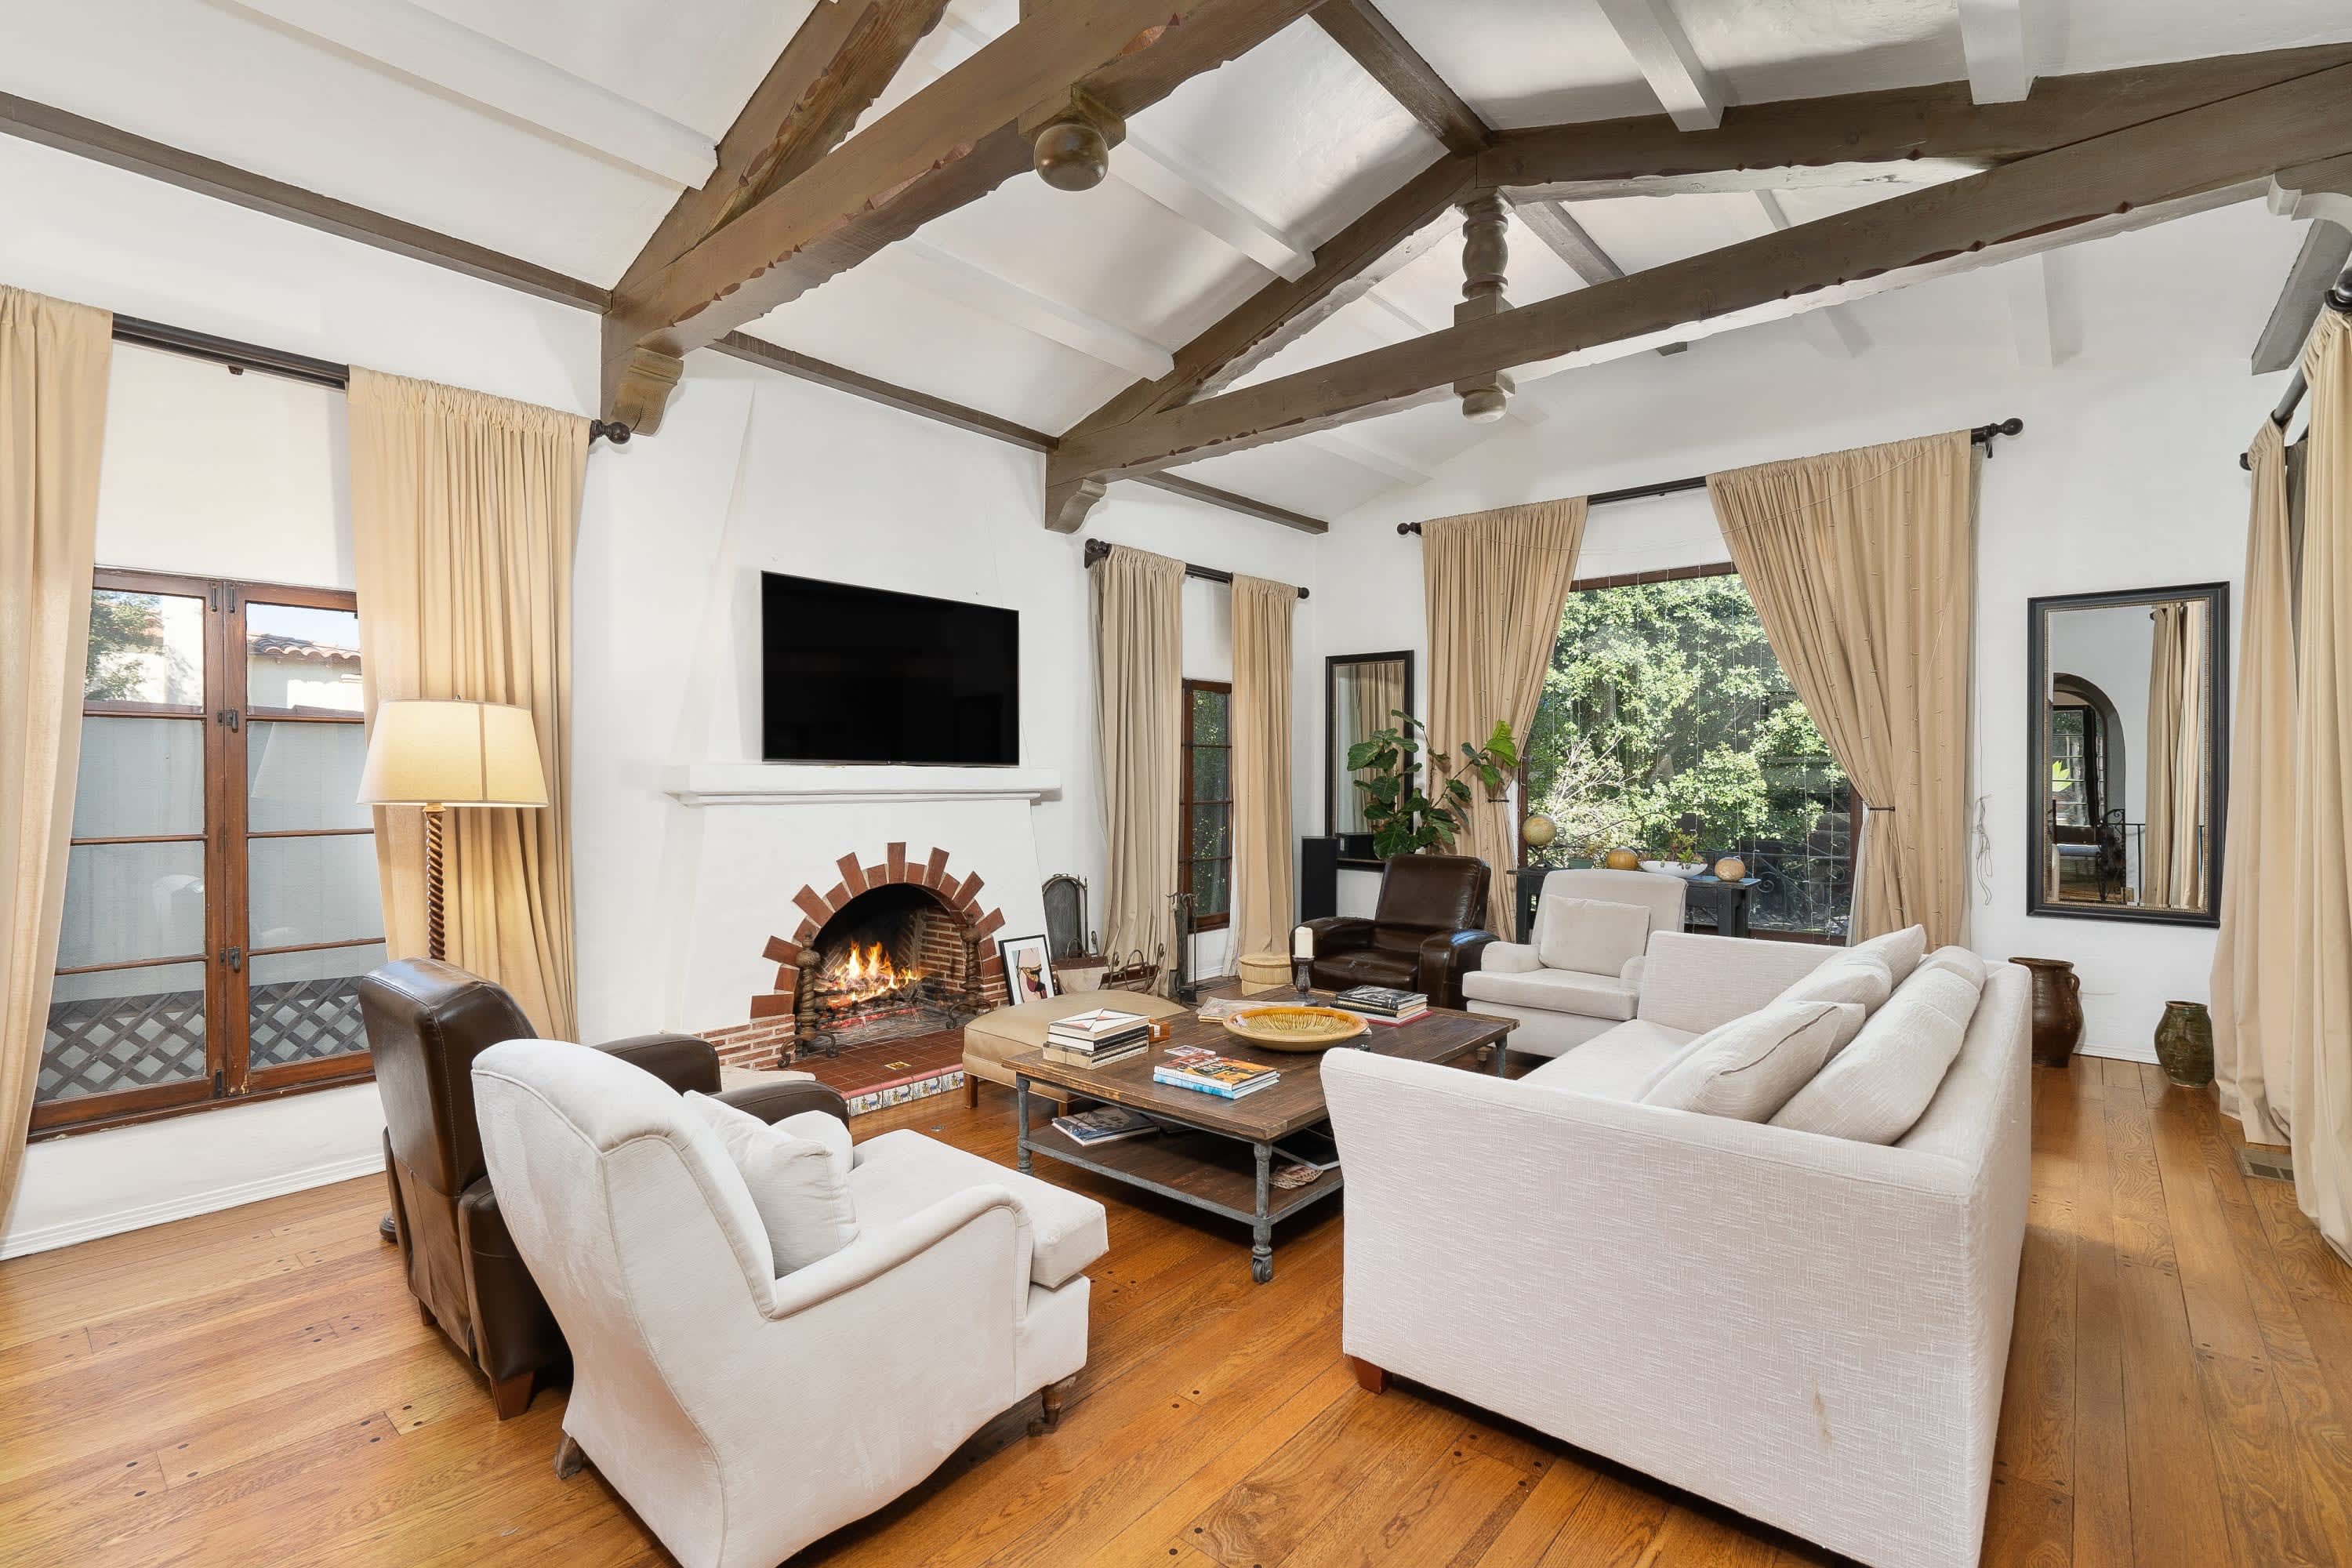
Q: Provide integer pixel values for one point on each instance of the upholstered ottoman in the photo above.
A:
(990, 1038)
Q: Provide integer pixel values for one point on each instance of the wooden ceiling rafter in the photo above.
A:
(955, 139)
(1372, 41)
(2123, 177)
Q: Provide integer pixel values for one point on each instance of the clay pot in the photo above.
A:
(1623, 861)
(2184, 1044)
(2057, 1010)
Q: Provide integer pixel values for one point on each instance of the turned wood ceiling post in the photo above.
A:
(1486, 256)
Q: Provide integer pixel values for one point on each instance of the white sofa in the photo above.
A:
(1807, 1329)
(744, 1416)
(1580, 976)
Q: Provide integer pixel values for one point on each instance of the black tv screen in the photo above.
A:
(857, 675)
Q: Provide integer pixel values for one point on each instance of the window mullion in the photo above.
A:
(229, 732)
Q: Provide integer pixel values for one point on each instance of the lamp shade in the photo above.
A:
(452, 753)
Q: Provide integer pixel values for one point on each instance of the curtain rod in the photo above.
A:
(241, 357)
(1982, 436)
(2337, 298)
(1098, 550)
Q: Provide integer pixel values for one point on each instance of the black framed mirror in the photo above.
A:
(2128, 754)
(1360, 691)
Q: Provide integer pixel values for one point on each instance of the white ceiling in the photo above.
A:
(561, 131)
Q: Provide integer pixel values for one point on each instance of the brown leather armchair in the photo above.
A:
(1427, 932)
(425, 1023)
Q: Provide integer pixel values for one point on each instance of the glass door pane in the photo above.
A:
(123, 1030)
(305, 1006)
(145, 648)
(299, 660)
(303, 776)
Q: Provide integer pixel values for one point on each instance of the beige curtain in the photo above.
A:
(1495, 584)
(2253, 961)
(1861, 563)
(2172, 870)
(2320, 1008)
(464, 512)
(53, 366)
(1264, 907)
(1138, 632)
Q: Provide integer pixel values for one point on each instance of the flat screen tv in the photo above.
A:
(857, 675)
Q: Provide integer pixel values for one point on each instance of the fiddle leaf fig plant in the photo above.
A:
(1404, 819)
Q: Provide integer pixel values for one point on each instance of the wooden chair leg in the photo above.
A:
(424, 1314)
(971, 1090)
(1370, 1378)
(1052, 1396)
(568, 1458)
(512, 1395)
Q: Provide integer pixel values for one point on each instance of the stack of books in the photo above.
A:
(1209, 1073)
(1097, 1038)
(1382, 1005)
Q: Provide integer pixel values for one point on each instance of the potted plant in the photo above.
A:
(1404, 819)
(1682, 858)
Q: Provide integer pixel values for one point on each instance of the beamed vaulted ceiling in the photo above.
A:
(1252, 293)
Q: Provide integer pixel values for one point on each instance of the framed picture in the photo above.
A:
(1028, 972)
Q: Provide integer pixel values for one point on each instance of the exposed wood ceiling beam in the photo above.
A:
(1550, 223)
(1992, 37)
(2033, 315)
(951, 142)
(2325, 249)
(2143, 174)
(1908, 134)
(454, 60)
(1653, 36)
(1393, 323)
(1832, 330)
(907, 400)
(1373, 42)
(32, 122)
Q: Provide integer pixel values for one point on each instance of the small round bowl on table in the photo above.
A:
(1685, 869)
(1297, 1028)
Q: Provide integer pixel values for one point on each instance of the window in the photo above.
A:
(1208, 869)
(221, 887)
(1664, 701)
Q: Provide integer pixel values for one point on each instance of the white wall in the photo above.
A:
(2126, 476)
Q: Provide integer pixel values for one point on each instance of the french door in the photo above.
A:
(221, 896)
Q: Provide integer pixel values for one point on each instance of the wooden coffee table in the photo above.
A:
(1222, 1160)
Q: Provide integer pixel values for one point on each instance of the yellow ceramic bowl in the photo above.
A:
(1296, 1029)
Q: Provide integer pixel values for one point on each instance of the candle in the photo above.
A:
(1302, 943)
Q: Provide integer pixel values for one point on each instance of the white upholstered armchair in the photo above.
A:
(744, 1416)
(1581, 975)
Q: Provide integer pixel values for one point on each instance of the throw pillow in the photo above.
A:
(1960, 961)
(1880, 1085)
(1748, 1068)
(1862, 979)
(1898, 950)
(800, 1188)
(1589, 935)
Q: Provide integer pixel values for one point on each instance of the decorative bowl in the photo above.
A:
(1685, 869)
(1296, 1029)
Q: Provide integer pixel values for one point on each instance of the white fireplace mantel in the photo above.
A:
(799, 783)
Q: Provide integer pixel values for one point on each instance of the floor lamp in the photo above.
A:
(443, 755)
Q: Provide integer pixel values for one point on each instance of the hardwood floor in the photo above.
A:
(254, 1386)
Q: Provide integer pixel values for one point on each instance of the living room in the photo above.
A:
(901, 644)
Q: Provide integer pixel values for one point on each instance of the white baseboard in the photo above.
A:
(187, 1206)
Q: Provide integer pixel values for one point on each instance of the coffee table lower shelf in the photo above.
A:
(1202, 1169)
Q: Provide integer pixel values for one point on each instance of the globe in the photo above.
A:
(1538, 830)
(1730, 869)
(1624, 860)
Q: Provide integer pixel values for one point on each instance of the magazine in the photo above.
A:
(1055, 1051)
(1104, 1124)
(1310, 1146)
(1225, 1075)
(1381, 999)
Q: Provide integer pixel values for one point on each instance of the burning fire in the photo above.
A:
(860, 973)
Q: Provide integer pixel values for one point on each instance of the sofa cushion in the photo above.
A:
(1861, 978)
(1694, 982)
(1589, 935)
(904, 1172)
(1619, 1065)
(1746, 1069)
(1558, 990)
(797, 1184)
(1880, 1084)
(1898, 950)
(1960, 961)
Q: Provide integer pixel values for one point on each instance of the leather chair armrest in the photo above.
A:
(771, 1102)
(1445, 957)
(1340, 934)
(682, 1061)
(514, 1331)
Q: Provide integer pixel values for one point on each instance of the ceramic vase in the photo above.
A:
(2057, 1010)
(2184, 1044)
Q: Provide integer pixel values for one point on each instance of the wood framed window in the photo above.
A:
(1208, 869)
(221, 887)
